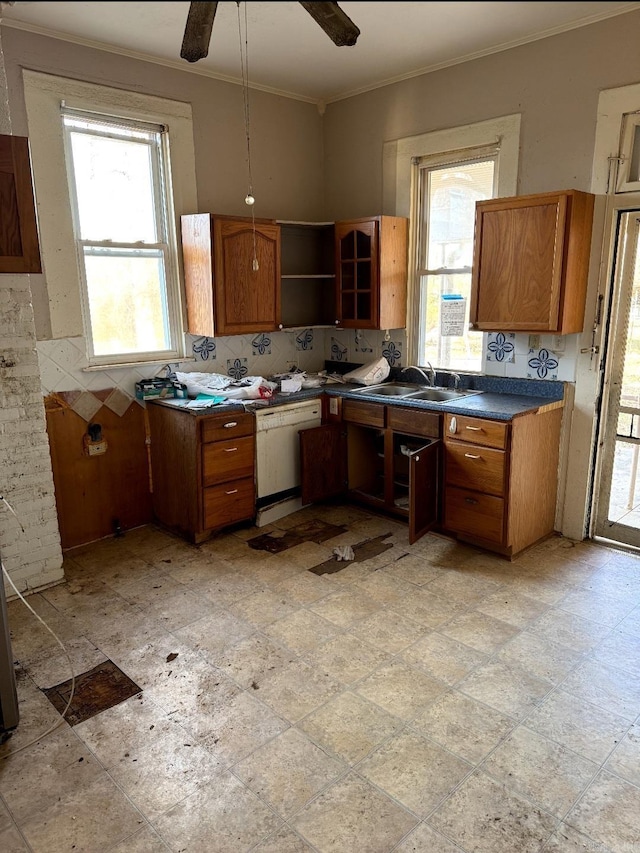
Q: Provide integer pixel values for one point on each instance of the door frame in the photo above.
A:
(611, 286)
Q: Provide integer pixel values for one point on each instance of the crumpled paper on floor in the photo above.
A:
(344, 552)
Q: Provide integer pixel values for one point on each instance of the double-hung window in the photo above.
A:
(122, 215)
(448, 186)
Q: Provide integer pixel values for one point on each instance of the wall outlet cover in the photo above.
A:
(534, 341)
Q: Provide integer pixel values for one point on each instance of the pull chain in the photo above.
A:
(244, 63)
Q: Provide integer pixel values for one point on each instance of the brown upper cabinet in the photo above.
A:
(19, 249)
(531, 262)
(225, 295)
(371, 272)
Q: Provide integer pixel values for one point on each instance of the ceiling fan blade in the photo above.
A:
(197, 33)
(336, 24)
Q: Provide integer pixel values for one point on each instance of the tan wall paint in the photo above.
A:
(554, 83)
(286, 135)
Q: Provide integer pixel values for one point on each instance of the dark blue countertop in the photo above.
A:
(490, 403)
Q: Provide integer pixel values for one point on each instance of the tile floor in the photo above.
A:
(431, 698)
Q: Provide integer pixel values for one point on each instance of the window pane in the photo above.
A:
(451, 197)
(453, 353)
(126, 303)
(114, 186)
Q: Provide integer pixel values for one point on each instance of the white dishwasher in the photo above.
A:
(278, 456)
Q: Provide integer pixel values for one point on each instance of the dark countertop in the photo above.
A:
(487, 404)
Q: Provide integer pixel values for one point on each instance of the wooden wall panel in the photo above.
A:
(93, 491)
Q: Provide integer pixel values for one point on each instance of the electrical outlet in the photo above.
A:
(534, 341)
(333, 406)
(558, 343)
(96, 448)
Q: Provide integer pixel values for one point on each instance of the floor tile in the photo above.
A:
(349, 726)
(346, 607)
(229, 813)
(424, 839)
(12, 842)
(400, 689)
(484, 817)
(385, 587)
(346, 658)
(252, 659)
(242, 725)
(540, 657)
(297, 689)
(157, 776)
(609, 813)
(568, 840)
(625, 761)
(213, 633)
(542, 771)
(506, 687)
(428, 608)
(443, 657)
(619, 649)
(352, 815)
(283, 841)
(414, 771)
(614, 690)
(262, 608)
(103, 817)
(512, 607)
(302, 631)
(305, 587)
(388, 631)
(462, 725)
(569, 630)
(288, 771)
(55, 669)
(144, 841)
(479, 631)
(463, 587)
(580, 726)
(414, 569)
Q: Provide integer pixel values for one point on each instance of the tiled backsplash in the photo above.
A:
(265, 353)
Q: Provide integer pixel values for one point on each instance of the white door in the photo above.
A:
(617, 484)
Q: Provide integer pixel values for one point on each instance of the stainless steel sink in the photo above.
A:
(390, 389)
(412, 391)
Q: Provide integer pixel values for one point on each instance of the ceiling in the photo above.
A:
(289, 53)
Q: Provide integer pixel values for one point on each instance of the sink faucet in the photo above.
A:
(430, 379)
(456, 380)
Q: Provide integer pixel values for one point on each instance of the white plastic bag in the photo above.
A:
(225, 386)
(369, 374)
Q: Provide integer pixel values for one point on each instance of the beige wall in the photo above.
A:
(554, 83)
(286, 135)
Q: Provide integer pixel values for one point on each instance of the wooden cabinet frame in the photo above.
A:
(19, 247)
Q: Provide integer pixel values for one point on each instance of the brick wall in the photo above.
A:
(33, 558)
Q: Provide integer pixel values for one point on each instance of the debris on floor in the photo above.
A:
(309, 531)
(96, 690)
(364, 550)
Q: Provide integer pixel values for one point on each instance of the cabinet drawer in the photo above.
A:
(367, 414)
(228, 503)
(221, 427)
(476, 430)
(227, 460)
(473, 467)
(477, 515)
(413, 422)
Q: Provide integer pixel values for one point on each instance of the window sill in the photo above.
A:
(124, 365)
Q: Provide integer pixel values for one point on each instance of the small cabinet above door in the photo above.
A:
(371, 272)
(19, 247)
(225, 294)
(531, 262)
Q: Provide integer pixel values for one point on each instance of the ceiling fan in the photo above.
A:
(197, 35)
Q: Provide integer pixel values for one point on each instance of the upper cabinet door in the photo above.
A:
(531, 262)
(371, 272)
(19, 249)
(225, 295)
(246, 299)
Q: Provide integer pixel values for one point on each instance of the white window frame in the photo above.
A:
(44, 95)
(400, 198)
(164, 218)
(421, 166)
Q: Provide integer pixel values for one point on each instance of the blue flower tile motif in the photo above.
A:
(543, 363)
(338, 351)
(362, 344)
(261, 344)
(205, 348)
(237, 368)
(500, 349)
(393, 353)
(304, 341)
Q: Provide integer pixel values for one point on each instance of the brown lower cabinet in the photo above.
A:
(385, 457)
(501, 479)
(202, 468)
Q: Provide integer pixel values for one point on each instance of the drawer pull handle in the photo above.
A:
(472, 456)
(230, 449)
(470, 501)
(475, 429)
(231, 424)
(232, 492)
